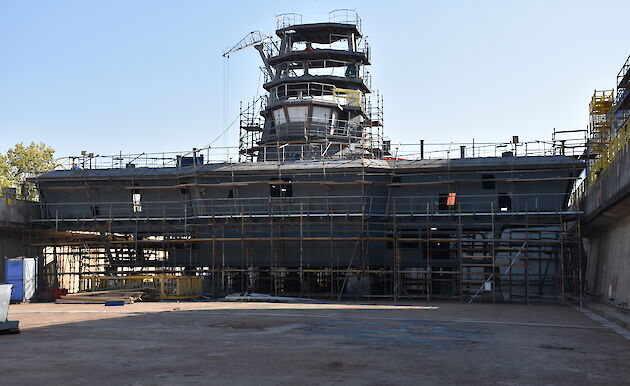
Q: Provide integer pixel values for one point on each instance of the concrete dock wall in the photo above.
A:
(609, 263)
(606, 227)
(14, 216)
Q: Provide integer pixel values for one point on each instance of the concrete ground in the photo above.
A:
(609, 311)
(310, 343)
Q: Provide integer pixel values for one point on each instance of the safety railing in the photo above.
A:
(361, 74)
(337, 42)
(318, 129)
(367, 77)
(295, 206)
(364, 47)
(622, 94)
(345, 16)
(453, 150)
(623, 72)
(296, 91)
(341, 16)
(609, 153)
(315, 91)
(195, 157)
(578, 193)
(352, 132)
(331, 150)
(287, 20)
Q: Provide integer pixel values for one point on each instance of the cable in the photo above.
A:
(222, 133)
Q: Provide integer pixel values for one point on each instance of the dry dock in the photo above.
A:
(306, 343)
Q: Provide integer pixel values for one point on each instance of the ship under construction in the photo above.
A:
(320, 203)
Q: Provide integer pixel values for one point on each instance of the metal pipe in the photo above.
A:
(422, 149)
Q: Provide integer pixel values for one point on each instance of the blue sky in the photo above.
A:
(148, 76)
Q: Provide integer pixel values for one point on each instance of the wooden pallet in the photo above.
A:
(100, 297)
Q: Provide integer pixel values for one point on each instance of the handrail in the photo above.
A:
(315, 90)
(405, 151)
(285, 20)
(345, 16)
(623, 72)
(196, 208)
(341, 16)
(609, 153)
(272, 51)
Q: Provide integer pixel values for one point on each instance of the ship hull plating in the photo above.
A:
(333, 228)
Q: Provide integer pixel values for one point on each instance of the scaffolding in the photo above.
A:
(609, 125)
(322, 138)
(250, 129)
(600, 123)
(400, 247)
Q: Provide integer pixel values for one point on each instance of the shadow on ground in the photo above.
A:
(241, 343)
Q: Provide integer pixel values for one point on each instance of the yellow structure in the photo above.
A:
(600, 127)
(600, 124)
(619, 142)
(354, 97)
(161, 286)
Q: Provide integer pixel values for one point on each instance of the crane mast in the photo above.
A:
(258, 40)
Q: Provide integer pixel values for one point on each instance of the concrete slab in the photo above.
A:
(306, 343)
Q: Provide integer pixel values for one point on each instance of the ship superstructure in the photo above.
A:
(318, 102)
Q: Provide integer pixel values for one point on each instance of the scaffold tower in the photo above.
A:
(318, 92)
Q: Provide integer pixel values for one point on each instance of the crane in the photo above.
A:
(258, 39)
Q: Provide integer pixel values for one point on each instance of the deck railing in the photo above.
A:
(387, 150)
(473, 205)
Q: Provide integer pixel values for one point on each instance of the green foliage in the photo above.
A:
(21, 162)
(4, 171)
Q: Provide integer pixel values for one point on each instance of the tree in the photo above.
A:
(21, 162)
(4, 171)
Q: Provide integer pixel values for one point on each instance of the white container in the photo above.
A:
(5, 297)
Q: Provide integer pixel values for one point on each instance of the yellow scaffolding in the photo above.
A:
(610, 150)
(600, 122)
(161, 286)
(600, 127)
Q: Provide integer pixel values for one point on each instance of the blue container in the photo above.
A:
(189, 161)
(15, 275)
(22, 273)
